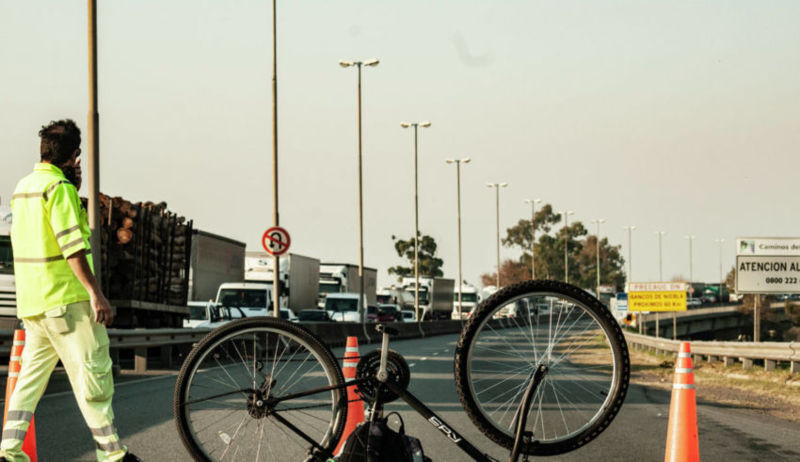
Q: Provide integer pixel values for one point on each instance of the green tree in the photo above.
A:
(581, 251)
(429, 264)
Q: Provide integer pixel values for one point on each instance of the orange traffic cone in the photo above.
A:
(355, 406)
(682, 441)
(29, 444)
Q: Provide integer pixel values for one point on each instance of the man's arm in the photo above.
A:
(102, 309)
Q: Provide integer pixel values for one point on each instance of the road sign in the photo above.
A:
(622, 301)
(657, 296)
(767, 265)
(276, 241)
(763, 274)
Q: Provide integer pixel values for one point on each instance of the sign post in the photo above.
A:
(276, 242)
(767, 265)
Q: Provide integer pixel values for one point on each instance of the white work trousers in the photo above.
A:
(68, 333)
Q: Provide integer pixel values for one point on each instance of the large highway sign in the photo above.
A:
(768, 265)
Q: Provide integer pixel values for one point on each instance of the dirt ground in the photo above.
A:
(776, 393)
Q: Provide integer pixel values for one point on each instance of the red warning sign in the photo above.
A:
(276, 241)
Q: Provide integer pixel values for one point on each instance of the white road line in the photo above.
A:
(116, 385)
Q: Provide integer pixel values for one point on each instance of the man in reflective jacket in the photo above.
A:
(60, 302)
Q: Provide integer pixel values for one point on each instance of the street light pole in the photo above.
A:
(93, 139)
(458, 163)
(533, 203)
(566, 214)
(598, 222)
(691, 287)
(416, 125)
(276, 280)
(721, 281)
(497, 187)
(660, 234)
(363, 304)
(630, 228)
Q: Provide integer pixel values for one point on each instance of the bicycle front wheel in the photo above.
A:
(227, 397)
(546, 323)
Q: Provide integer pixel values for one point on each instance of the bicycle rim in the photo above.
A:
(543, 323)
(229, 372)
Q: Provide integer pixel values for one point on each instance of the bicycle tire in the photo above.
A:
(603, 366)
(294, 343)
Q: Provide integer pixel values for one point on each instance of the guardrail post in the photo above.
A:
(769, 364)
(712, 359)
(795, 366)
(747, 363)
(728, 361)
(140, 360)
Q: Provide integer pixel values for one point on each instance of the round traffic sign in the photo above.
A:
(276, 241)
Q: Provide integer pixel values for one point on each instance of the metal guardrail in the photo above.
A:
(331, 333)
(729, 353)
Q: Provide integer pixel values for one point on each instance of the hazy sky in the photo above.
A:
(673, 116)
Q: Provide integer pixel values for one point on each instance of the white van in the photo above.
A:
(253, 298)
(343, 307)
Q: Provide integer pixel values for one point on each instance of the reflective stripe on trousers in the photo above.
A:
(71, 334)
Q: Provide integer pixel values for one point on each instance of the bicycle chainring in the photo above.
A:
(367, 368)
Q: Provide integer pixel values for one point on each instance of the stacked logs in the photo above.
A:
(146, 251)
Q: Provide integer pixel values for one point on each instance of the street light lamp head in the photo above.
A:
(503, 185)
(425, 124)
(371, 62)
(344, 63)
(405, 124)
(490, 185)
(449, 161)
(465, 160)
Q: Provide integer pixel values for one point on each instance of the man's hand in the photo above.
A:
(102, 310)
(78, 174)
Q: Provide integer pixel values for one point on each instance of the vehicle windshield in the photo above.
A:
(423, 295)
(6, 257)
(248, 298)
(341, 304)
(328, 287)
(197, 312)
(465, 297)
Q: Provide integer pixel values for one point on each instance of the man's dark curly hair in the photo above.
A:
(59, 140)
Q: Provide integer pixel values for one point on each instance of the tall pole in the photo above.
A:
(566, 214)
(95, 241)
(691, 288)
(660, 234)
(533, 235)
(416, 211)
(276, 281)
(641, 316)
(363, 302)
(497, 187)
(721, 281)
(458, 201)
(598, 221)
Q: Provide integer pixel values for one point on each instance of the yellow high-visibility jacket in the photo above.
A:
(49, 225)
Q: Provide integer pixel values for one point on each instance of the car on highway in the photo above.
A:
(313, 316)
(389, 313)
(210, 315)
(287, 314)
(372, 313)
(408, 316)
(694, 302)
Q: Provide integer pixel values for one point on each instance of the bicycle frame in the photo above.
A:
(522, 438)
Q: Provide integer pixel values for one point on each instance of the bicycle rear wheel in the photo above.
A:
(224, 387)
(557, 325)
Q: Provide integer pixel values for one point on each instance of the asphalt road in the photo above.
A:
(143, 406)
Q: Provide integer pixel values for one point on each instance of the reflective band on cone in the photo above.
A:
(682, 439)
(29, 443)
(355, 406)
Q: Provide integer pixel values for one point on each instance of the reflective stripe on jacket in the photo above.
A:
(48, 226)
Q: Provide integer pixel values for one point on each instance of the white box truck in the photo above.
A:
(343, 278)
(299, 276)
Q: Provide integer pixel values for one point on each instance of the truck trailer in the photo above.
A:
(215, 259)
(343, 278)
(299, 278)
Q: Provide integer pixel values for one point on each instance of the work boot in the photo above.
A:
(128, 458)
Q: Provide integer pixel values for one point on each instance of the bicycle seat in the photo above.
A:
(382, 328)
